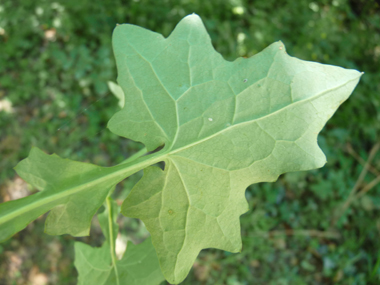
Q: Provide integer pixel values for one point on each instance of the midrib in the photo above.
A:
(261, 118)
(127, 169)
(123, 170)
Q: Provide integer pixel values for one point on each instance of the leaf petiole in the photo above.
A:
(112, 238)
(31, 207)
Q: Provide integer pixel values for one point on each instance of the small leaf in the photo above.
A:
(71, 211)
(72, 192)
(139, 265)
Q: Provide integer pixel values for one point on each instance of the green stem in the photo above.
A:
(113, 174)
(112, 238)
(135, 156)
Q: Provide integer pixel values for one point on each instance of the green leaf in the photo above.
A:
(72, 192)
(139, 264)
(72, 212)
(224, 125)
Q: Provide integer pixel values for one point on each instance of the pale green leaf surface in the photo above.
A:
(139, 264)
(225, 125)
(50, 174)
(72, 191)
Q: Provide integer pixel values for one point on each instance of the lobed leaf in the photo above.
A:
(72, 192)
(224, 125)
(72, 212)
(139, 264)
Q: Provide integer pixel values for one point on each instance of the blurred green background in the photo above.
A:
(55, 61)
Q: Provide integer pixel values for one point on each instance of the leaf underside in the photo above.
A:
(72, 192)
(225, 125)
(72, 212)
(139, 264)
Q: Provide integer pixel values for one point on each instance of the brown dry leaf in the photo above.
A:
(36, 277)
(279, 243)
(14, 264)
(50, 34)
(55, 253)
(255, 263)
(201, 272)
(9, 145)
(15, 189)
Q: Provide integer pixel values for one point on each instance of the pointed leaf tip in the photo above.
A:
(225, 125)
